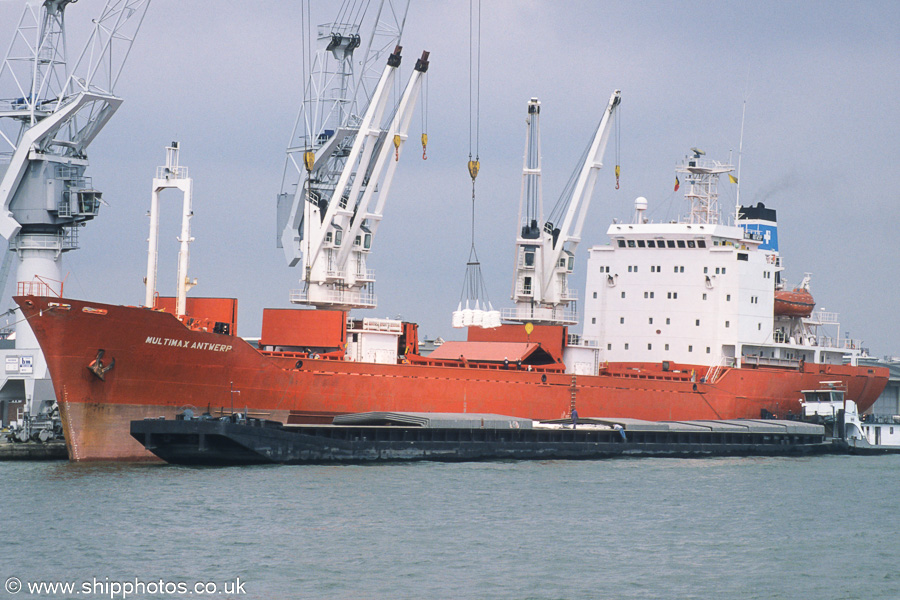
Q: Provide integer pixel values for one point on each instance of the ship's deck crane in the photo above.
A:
(545, 250)
(333, 199)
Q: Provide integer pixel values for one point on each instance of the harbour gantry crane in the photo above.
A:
(343, 155)
(50, 112)
(545, 250)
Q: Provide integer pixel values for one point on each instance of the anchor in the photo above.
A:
(96, 367)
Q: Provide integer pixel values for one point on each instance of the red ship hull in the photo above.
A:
(161, 366)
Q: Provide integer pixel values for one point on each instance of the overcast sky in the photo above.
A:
(821, 81)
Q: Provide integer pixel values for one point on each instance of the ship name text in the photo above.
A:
(160, 341)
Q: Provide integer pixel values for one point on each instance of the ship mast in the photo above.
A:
(544, 249)
(702, 179)
(342, 158)
(171, 176)
(49, 115)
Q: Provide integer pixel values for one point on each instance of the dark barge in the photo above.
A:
(382, 436)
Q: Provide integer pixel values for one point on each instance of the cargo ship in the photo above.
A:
(680, 324)
(680, 318)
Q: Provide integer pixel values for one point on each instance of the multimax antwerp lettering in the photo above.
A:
(187, 344)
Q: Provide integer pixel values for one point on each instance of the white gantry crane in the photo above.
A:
(344, 153)
(50, 112)
(544, 249)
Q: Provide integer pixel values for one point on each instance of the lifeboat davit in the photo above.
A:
(797, 303)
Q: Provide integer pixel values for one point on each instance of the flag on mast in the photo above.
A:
(677, 183)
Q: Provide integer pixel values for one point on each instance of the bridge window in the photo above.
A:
(681, 243)
(641, 244)
(620, 243)
(651, 243)
(691, 244)
(701, 243)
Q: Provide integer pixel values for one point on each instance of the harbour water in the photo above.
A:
(817, 527)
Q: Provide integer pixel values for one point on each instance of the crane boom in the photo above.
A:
(397, 135)
(545, 253)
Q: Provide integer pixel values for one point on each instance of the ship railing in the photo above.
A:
(715, 372)
(840, 343)
(354, 298)
(887, 419)
(821, 317)
(575, 340)
(563, 315)
(40, 286)
(171, 172)
(569, 295)
(767, 361)
(383, 325)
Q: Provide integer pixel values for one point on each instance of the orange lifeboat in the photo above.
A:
(797, 303)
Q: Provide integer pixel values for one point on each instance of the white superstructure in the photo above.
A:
(698, 291)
